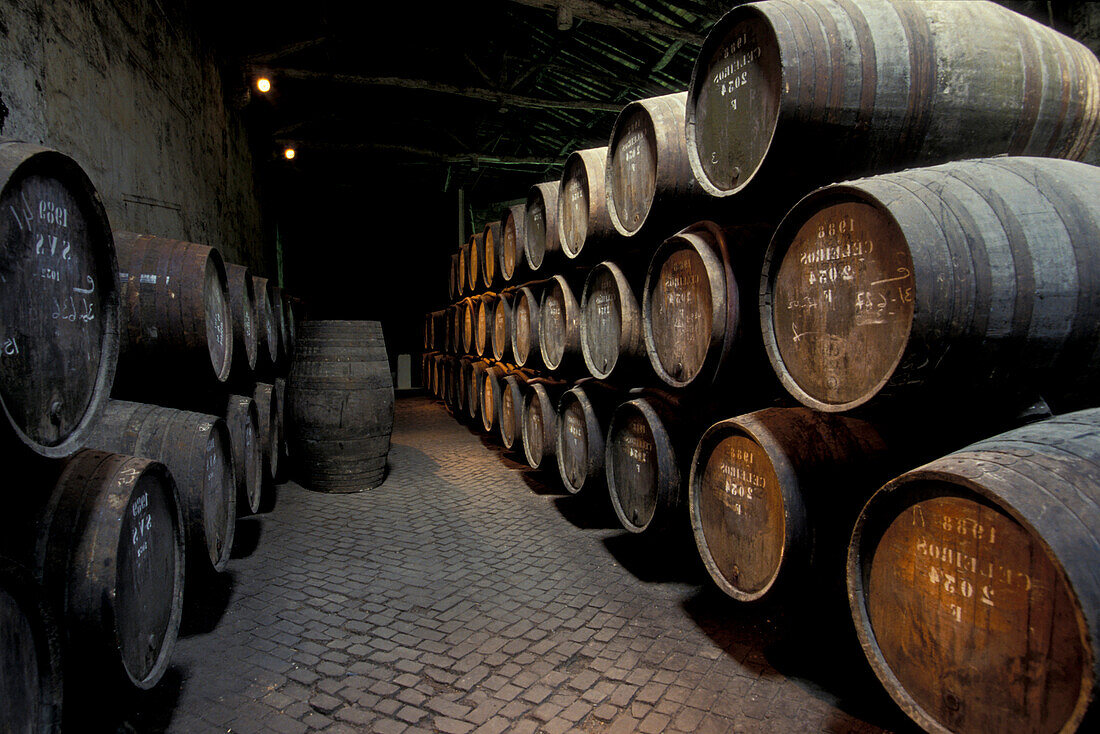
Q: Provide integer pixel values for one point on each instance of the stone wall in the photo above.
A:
(126, 88)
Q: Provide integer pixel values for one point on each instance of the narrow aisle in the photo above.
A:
(466, 594)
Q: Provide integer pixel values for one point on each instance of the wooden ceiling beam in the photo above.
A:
(596, 13)
(424, 85)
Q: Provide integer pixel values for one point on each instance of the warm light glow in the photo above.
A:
(263, 84)
(289, 153)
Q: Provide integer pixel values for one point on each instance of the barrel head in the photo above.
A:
(573, 206)
(511, 242)
(59, 301)
(970, 614)
(219, 326)
(573, 458)
(680, 318)
(738, 515)
(842, 305)
(553, 325)
(734, 100)
(540, 224)
(632, 169)
(509, 402)
(535, 425)
(526, 327)
(603, 326)
(502, 327)
(631, 466)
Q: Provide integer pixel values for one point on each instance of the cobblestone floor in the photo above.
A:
(468, 594)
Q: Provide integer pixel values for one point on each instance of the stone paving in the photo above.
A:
(468, 594)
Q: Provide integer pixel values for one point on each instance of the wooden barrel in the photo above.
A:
(643, 456)
(502, 327)
(513, 234)
(242, 418)
(176, 312)
(462, 385)
(196, 448)
(649, 182)
(467, 312)
(774, 494)
(279, 384)
(944, 282)
(511, 408)
(339, 404)
(525, 325)
(282, 319)
(59, 307)
(540, 226)
(611, 321)
(559, 325)
(700, 306)
(464, 268)
(490, 241)
(484, 308)
(31, 683)
(267, 358)
(474, 262)
(110, 556)
(786, 96)
(242, 310)
(474, 386)
(584, 413)
(540, 421)
(584, 224)
(267, 410)
(490, 391)
(973, 585)
(452, 278)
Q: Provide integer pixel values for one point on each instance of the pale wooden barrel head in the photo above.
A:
(553, 316)
(525, 325)
(737, 508)
(632, 168)
(573, 205)
(734, 103)
(680, 315)
(972, 616)
(842, 305)
(510, 243)
(501, 327)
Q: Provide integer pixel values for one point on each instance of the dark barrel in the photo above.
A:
(649, 182)
(700, 306)
(540, 227)
(773, 496)
(559, 325)
(283, 318)
(452, 278)
(786, 96)
(511, 408)
(110, 556)
(462, 386)
(540, 421)
(291, 307)
(949, 281)
(973, 586)
(59, 307)
(502, 326)
(242, 311)
(513, 234)
(644, 459)
(490, 390)
(242, 418)
(490, 239)
(31, 684)
(280, 395)
(339, 406)
(474, 262)
(267, 410)
(611, 321)
(584, 224)
(525, 325)
(176, 315)
(196, 448)
(584, 413)
(267, 358)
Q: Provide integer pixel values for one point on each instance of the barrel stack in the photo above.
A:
(862, 238)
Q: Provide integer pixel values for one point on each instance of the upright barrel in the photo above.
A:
(541, 224)
(59, 307)
(513, 235)
(176, 312)
(787, 96)
(30, 655)
(649, 184)
(242, 310)
(584, 224)
(950, 281)
(110, 556)
(973, 586)
(196, 448)
(611, 321)
(339, 402)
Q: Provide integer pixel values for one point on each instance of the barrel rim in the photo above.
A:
(780, 243)
(652, 419)
(933, 480)
(727, 298)
(713, 40)
(29, 154)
